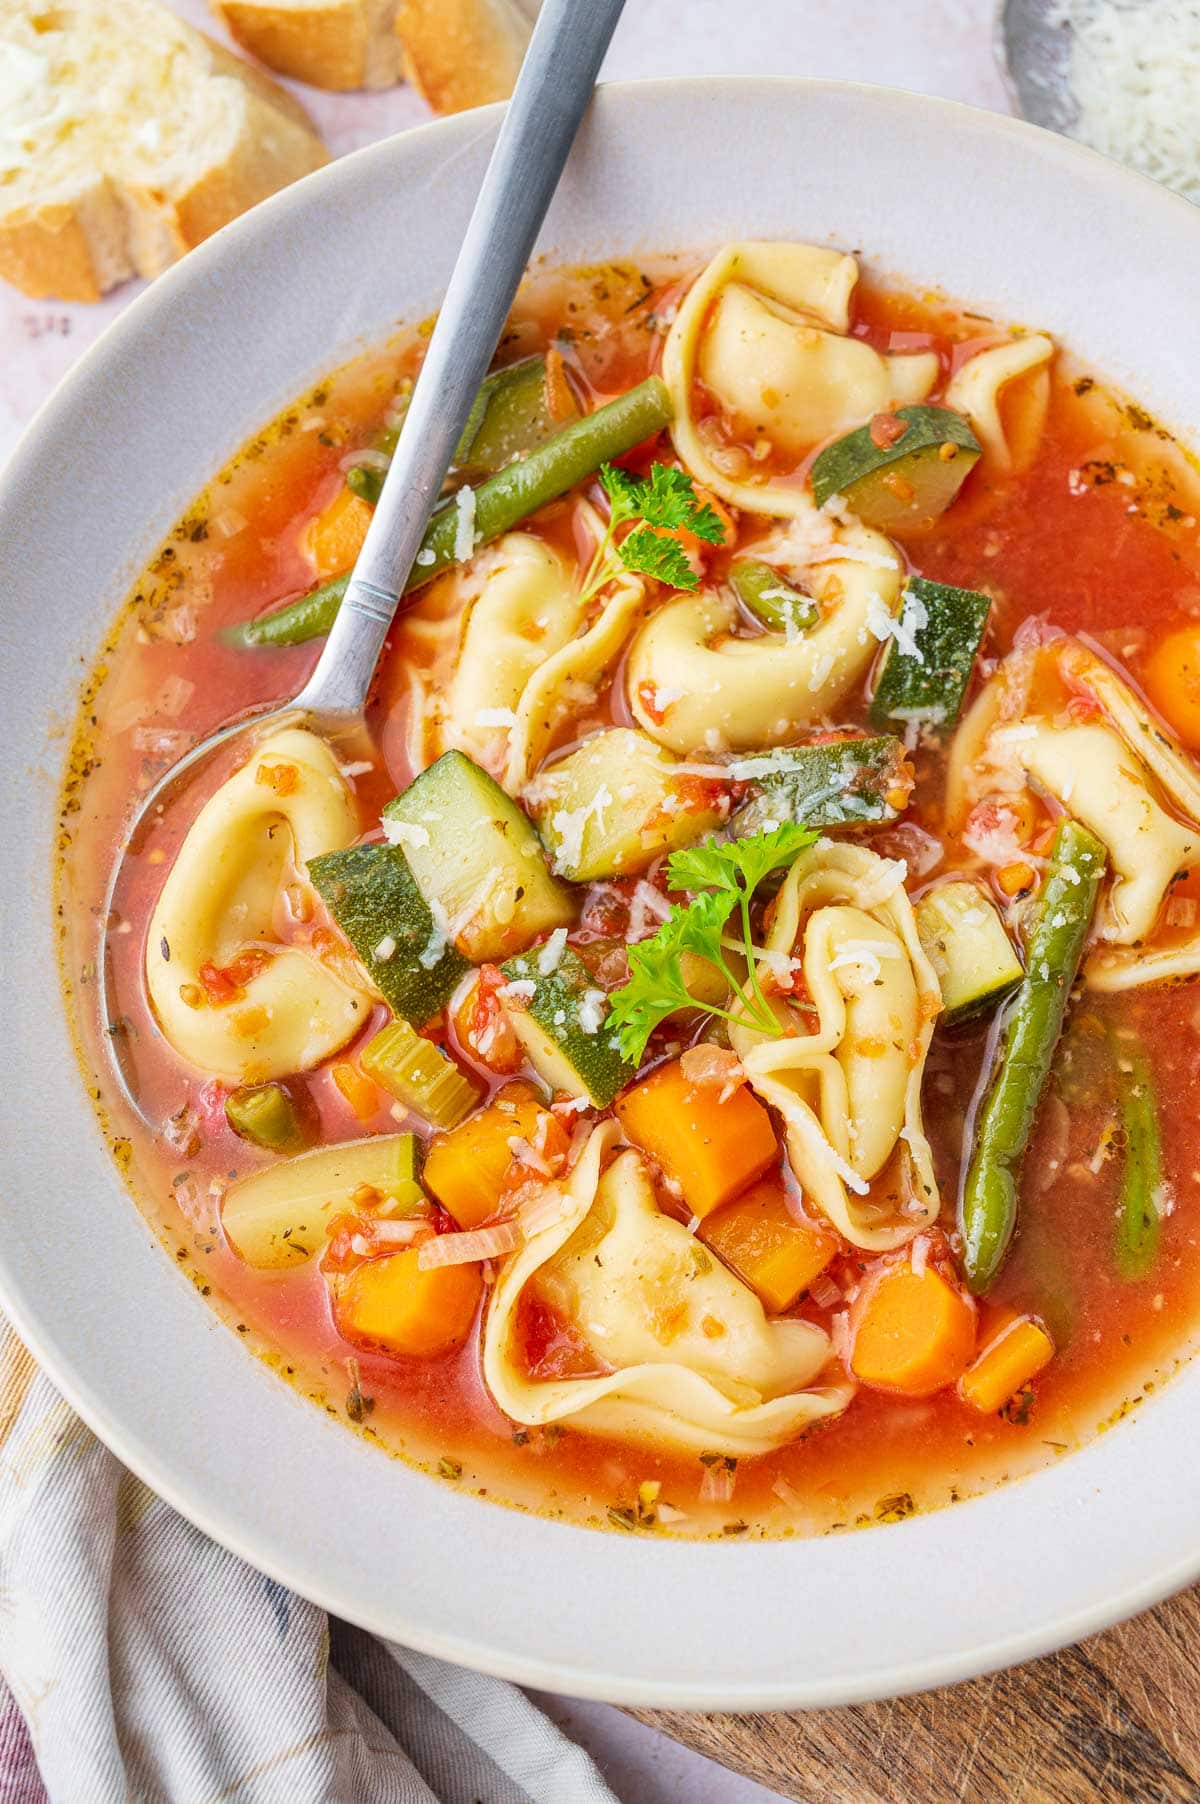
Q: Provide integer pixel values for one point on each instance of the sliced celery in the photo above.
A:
(419, 1075)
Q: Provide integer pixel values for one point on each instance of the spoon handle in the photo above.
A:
(539, 128)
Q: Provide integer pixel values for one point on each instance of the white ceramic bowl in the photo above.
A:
(999, 214)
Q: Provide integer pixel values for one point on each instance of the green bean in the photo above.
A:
(1139, 1203)
(268, 1116)
(510, 417)
(501, 502)
(1032, 1026)
(770, 598)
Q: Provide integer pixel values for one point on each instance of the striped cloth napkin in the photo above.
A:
(143, 1664)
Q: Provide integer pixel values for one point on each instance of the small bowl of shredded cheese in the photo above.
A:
(1120, 75)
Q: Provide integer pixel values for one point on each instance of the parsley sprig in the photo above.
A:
(656, 506)
(721, 877)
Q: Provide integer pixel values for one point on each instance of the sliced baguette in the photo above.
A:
(125, 139)
(329, 43)
(464, 53)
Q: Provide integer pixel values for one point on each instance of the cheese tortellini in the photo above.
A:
(684, 1353)
(1110, 765)
(528, 657)
(765, 329)
(521, 607)
(1005, 392)
(691, 683)
(287, 1010)
(846, 1077)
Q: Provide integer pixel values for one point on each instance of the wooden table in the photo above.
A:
(1114, 1719)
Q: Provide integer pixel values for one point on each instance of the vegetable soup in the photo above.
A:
(710, 1060)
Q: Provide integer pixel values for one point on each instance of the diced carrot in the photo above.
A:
(761, 1239)
(393, 1303)
(484, 1028)
(1016, 878)
(1014, 1349)
(712, 1149)
(333, 538)
(470, 1168)
(912, 1332)
(358, 1090)
(1172, 677)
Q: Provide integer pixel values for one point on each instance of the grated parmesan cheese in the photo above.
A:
(592, 1011)
(464, 525)
(1134, 72)
(404, 833)
(550, 955)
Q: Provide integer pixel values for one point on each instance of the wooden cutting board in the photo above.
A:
(1116, 1718)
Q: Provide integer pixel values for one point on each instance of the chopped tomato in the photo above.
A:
(227, 983)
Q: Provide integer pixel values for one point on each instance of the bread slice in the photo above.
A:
(330, 43)
(463, 53)
(126, 137)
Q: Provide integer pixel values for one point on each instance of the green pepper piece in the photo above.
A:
(771, 598)
(1139, 1203)
(501, 503)
(267, 1115)
(1061, 919)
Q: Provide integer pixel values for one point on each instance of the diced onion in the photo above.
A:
(465, 1249)
(717, 1484)
(544, 1209)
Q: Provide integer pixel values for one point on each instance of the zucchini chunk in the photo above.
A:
(419, 1075)
(610, 808)
(559, 1016)
(477, 860)
(966, 943)
(843, 783)
(774, 601)
(905, 480)
(279, 1217)
(927, 682)
(373, 897)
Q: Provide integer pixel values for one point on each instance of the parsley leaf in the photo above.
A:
(738, 865)
(667, 498)
(657, 507)
(725, 874)
(648, 553)
(653, 990)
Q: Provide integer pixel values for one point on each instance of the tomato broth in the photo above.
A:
(1095, 539)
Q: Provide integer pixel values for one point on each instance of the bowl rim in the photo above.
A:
(101, 1410)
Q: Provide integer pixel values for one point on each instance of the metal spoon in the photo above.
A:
(547, 107)
(1033, 49)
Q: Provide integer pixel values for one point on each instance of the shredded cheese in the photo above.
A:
(464, 525)
(404, 833)
(1134, 73)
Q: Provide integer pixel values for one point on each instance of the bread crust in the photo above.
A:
(78, 245)
(335, 44)
(464, 53)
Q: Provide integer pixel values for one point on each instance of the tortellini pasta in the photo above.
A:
(1004, 392)
(846, 1076)
(566, 678)
(690, 683)
(522, 606)
(289, 1010)
(1115, 769)
(764, 327)
(685, 1355)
